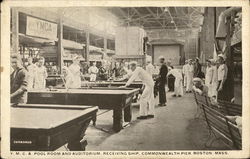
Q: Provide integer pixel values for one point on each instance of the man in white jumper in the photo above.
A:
(190, 74)
(184, 71)
(93, 70)
(150, 67)
(178, 86)
(147, 98)
(209, 77)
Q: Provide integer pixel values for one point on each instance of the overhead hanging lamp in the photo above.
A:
(166, 9)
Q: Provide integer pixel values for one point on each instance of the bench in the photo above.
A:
(200, 100)
(230, 108)
(222, 128)
(224, 107)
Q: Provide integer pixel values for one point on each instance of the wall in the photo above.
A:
(170, 52)
(129, 40)
(188, 36)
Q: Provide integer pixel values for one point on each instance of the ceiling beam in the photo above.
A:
(140, 19)
(123, 13)
(155, 16)
(131, 15)
(197, 11)
(135, 17)
(169, 27)
(171, 17)
(136, 11)
(150, 11)
(176, 11)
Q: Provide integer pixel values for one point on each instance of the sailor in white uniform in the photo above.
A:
(184, 71)
(209, 78)
(31, 73)
(222, 77)
(41, 74)
(214, 79)
(178, 86)
(147, 98)
(93, 70)
(75, 73)
(150, 67)
(190, 74)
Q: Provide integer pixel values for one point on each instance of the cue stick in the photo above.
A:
(64, 82)
(103, 112)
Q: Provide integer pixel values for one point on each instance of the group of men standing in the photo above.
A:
(191, 70)
(35, 75)
(215, 76)
(21, 79)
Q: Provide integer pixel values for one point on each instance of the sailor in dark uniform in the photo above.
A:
(18, 81)
(162, 81)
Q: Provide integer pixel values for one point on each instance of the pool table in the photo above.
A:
(136, 84)
(117, 99)
(54, 80)
(43, 127)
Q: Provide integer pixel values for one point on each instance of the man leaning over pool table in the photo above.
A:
(18, 81)
(147, 97)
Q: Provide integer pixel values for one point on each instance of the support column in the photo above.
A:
(15, 31)
(153, 54)
(198, 54)
(87, 46)
(60, 45)
(229, 62)
(105, 44)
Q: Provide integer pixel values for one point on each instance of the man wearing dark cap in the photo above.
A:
(162, 81)
(197, 68)
(18, 81)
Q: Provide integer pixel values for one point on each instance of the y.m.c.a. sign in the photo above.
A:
(41, 28)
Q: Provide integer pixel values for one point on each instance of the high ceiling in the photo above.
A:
(160, 17)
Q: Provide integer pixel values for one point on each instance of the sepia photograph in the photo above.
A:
(163, 80)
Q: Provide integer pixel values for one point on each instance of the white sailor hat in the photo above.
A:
(133, 63)
(222, 56)
(161, 57)
(76, 57)
(212, 60)
(197, 80)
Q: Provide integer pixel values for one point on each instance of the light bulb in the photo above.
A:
(165, 9)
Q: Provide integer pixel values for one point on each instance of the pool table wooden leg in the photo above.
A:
(94, 120)
(117, 119)
(127, 114)
(75, 145)
(77, 141)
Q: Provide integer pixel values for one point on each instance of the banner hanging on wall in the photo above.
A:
(41, 28)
